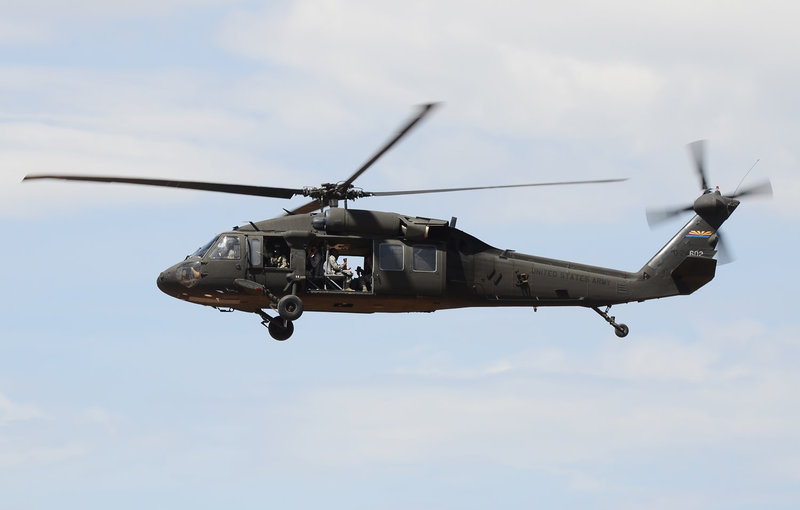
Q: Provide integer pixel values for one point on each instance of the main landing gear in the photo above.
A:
(290, 308)
(621, 330)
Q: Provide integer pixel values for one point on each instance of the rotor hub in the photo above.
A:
(328, 192)
(715, 207)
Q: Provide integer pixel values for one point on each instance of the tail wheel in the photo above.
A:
(280, 330)
(290, 307)
(621, 330)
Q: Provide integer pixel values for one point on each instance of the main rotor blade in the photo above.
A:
(763, 189)
(306, 208)
(237, 189)
(698, 150)
(446, 190)
(656, 216)
(424, 110)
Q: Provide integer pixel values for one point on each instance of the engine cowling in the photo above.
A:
(348, 221)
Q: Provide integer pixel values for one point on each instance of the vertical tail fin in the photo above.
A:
(687, 262)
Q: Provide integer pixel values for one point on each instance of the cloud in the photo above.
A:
(552, 408)
(14, 456)
(31, 437)
(19, 33)
(38, 148)
(109, 124)
(491, 72)
(633, 80)
(530, 91)
(47, 9)
(13, 412)
(546, 66)
(38, 23)
(15, 449)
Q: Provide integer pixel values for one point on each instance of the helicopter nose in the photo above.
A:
(167, 281)
(178, 279)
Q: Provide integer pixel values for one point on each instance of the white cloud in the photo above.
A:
(17, 33)
(42, 22)
(40, 148)
(47, 9)
(549, 409)
(639, 81)
(16, 449)
(15, 457)
(492, 73)
(13, 412)
(143, 125)
(516, 73)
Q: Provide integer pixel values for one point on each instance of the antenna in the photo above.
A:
(745, 176)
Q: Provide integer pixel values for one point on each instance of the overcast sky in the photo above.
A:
(113, 395)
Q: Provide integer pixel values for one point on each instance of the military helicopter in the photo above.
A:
(290, 264)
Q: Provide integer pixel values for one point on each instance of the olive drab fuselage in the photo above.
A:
(416, 265)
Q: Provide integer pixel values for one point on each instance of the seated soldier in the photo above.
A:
(276, 258)
(333, 268)
(279, 260)
(365, 276)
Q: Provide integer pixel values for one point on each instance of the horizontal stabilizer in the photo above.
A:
(694, 272)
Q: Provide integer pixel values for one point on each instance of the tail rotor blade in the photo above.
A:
(763, 189)
(724, 254)
(698, 151)
(657, 216)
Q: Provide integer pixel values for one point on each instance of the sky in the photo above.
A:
(113, 394)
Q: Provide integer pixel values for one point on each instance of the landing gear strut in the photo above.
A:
(279, 328)
(621, 330)
(289, 308)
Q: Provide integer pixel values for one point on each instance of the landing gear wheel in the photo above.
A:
(280, 330)
(290, 307)
(621, 330)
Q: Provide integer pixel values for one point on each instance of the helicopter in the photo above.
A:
(280, 267)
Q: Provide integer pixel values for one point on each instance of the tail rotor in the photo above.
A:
(715, 208)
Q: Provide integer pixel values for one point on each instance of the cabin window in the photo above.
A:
(391, 257)
(255, 251)
(227, 247)
(276, 253)
(423, 258)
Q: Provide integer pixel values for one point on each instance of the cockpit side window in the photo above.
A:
(227, 247)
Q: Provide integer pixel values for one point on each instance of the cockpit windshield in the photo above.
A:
(203, 249)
